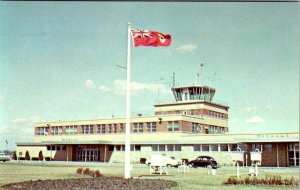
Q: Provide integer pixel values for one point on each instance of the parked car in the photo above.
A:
(203, 161)
(172, 161)
(4, 157)
(169, 161)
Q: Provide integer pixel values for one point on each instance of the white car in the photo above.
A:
(169, 161)
(4, 157)
(172, 161)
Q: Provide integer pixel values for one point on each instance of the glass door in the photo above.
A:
(293, 152)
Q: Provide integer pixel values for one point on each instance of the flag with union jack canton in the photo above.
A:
(150, 38)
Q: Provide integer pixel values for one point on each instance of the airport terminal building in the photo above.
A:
(192, 126)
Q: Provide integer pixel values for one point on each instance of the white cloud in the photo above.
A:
(250, 109)
(268, 107)
(104, 88)
(20, 120)
(255, 120)
(187, 48)
(119, 88)
(89, 84)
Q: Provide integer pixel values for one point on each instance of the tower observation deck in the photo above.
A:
(193, 93)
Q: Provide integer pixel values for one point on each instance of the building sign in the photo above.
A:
(69, 140)
(271, 136)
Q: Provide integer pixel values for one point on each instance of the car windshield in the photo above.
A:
(205, 158)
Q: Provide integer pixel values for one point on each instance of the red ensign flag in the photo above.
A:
(150, 38)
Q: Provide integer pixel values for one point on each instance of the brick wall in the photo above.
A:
(269, 158)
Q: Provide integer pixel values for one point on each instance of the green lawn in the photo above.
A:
(12, 172)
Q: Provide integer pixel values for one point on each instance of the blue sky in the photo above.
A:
(58, 61)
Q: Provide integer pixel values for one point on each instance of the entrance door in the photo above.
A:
(88, 154)
(293, 153)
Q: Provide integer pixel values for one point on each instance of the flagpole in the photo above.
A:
(127, 137)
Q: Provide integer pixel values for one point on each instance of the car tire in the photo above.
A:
(190, 165)
(209, 166)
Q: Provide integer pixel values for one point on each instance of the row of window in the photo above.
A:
(191, 112)
(216, 114)
(215, 130)
(172, 126)
(211, 129)
(100, 129)
(176, 147)
(56, 148)
(198, 147)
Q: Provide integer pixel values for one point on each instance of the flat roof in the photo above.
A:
(170, 138)
(194, 86)
(191, 102)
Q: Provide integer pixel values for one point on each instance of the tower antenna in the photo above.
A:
(173, 79)
(200, 75)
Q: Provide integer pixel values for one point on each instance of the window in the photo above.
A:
(109, 128)
(122, 128)
(71, 130)
(162, 148)
(151, 127)
(196, 128)
(118, 148)
(267, 147)
(222, 130)
(101, 129)
(86, 129)
(154, 148)
(224, 147)
(197, 147)
(213, 129)
(43, 131)
(115, 128)
(159, 147)
(205, 147)
(213, 147)
(170, 147)
(56, 130)
(256, 147)
(173, 126)
(233, 147)
(137, 147)
(177, 147)
(138, 127)
(111, 148)
(242, 147)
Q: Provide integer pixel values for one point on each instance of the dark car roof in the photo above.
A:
(205, 157)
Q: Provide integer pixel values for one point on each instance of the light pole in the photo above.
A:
(6, 142)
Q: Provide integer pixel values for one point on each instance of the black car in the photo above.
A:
(203, 161)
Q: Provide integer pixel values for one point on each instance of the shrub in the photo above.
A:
(231, 181)
(86, 171)
(98, 174)
(89, 172)
(267, 180)
(14, 157)
(79, 170)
